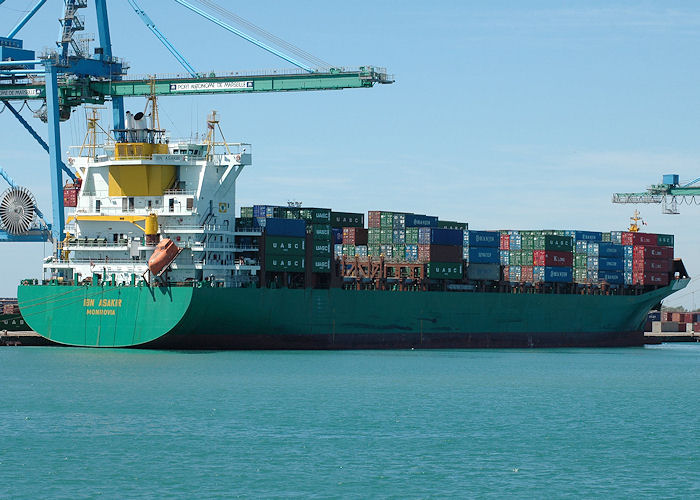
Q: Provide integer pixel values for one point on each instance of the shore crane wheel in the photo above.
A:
(17, 212)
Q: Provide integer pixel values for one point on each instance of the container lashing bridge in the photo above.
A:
(72, 75)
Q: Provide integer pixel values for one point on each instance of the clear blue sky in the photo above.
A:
(523, 115)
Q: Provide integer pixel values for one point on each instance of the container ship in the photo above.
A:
(155, 257)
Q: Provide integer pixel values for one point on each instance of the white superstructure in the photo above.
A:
(190, 186)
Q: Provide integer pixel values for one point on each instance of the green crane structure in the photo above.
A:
(669, 194)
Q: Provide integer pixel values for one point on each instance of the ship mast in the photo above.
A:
(634, 224)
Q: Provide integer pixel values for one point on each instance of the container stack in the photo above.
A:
(651, 258)
(285, 245)
(318, 227)
(481, 254)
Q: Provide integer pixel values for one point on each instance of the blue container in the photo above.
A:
(337, 236)
(611, 250)
(654, 316)
(609, 264)
(588, 236)
(612, 277)
(628, 265)
(285, 227)
(452, 237)
(424, 235)
(259, 222)
(482, 255)
(481, 238)
(412, 253)
(671, 179)
(554, 274)
(263, 210)
(628, 251)
(417, 220)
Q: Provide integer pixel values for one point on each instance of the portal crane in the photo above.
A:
(72, 76)
(670, 193)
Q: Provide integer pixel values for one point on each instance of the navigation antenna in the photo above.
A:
(212, 126)
(93, 123)
(636, 218)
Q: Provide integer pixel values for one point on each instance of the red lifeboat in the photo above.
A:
(164, 254)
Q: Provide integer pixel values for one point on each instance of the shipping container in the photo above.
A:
(588, 236)
(505, 241)
(321, 232)
(652, 252)
(580, 275)
(399, 236)
(483, 272)
(417, 220)
(611, 277)
(610, 250)
(355, 236)
(552, 258)
(581, 260)
(316, 215)
(321, 265)
(648, 278)
(411, 253)
(592, 263)
(361, 251)
(481, 238)
(338, 250)
(582, 247)
(610, 264)
(374, 219)
(321, 248)
(552, 274)
(290, 263)
(347, 219)
(399, 221)
(283, 245)
(337, 236)
(515, 258)
(639, 239)
(512, 274)
(374, 236)
(448, 224)
(285, 227)
(387, 220)
(553, 242)
(411, 235)
(444, 270)
(653, 266)
(386, 236)
(387, 251)
(481, 255)
(505, 257)
(247, 212)
(439, 253)
(665, 240)
(436, 236)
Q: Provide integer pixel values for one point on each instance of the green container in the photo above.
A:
(665, 240)
(374, 236)
(411, 235)
(292, 213)
(316, 215)
(247, 212)
(245, 222)
(554, 242)
(444, 270)
(282, 245)
(349, 250)
(322, 248)
(374, 250)
(321, 232)
(399, 252)
(321, 265)
(580, 275)
(528, 242)
(386, 220)
(607, 238)
(347, 219)
(288, 263)
(581, 260)
(515, 258)
(449, 224)
(526, 258)
(386, 236)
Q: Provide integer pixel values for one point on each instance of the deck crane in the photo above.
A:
(72, 76)
(670, 193)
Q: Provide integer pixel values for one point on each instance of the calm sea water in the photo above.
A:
(81, 423)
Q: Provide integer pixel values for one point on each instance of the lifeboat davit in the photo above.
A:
(164, 254)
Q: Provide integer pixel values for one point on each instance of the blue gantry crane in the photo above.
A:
(71, 76)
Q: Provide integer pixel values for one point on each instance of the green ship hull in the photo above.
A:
(176, 317)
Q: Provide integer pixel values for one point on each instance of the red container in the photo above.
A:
(676, 317)
(552, 258)
(505, 242)
(639, 239)
(354, 236)
(696, 327)
(648, 278)
(652, 252)
(70, 194)
(687, 317)
(374, 219)
(527, 274)
(439, 253)
(666, 316)
(654, 266)
(682, 327)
